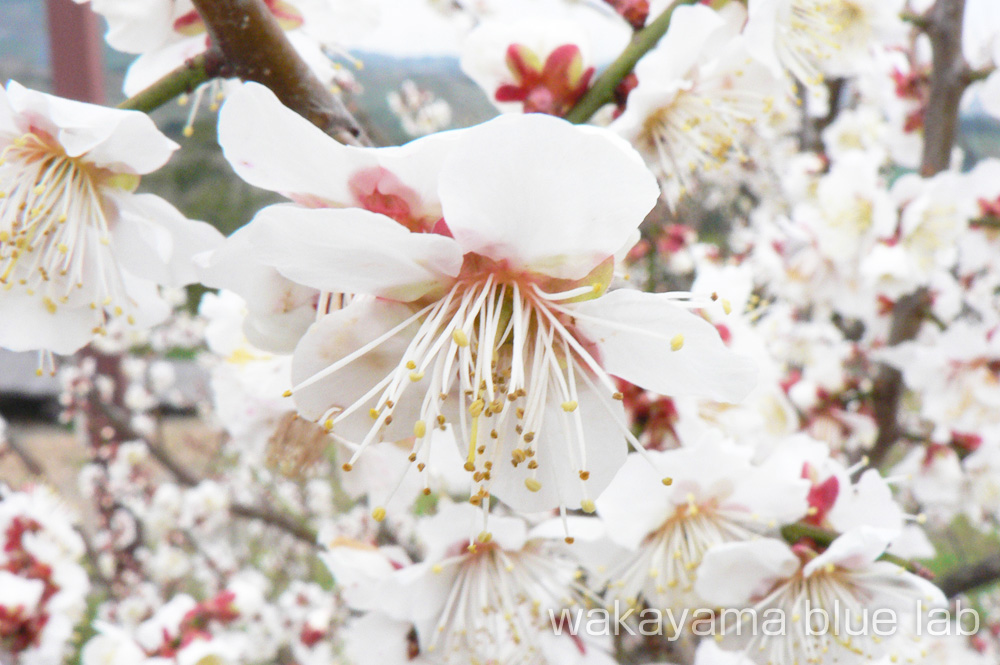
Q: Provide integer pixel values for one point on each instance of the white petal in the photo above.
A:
(734, 574)
(558, 457)
(636, 502)
(635, 333)
(27, 325)
(544, 195)
(272, 147)
(121, 141)
(154, 240)
(855, 549)
(353, 251)
(334, 337)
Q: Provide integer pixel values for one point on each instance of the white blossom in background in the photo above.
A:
(44, 584)
(716, 496)
(813, 38)
(78, 247)
(419, 110)
(846, 580)
(699, 94)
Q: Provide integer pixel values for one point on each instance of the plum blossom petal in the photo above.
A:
(524, 190)
(353, 251)
(732, 574)
(680, 353)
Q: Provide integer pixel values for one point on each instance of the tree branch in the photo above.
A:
(603, 89)
(971, 577)
(275, 519)
(257, 49)
(199, 69)
(949, 78)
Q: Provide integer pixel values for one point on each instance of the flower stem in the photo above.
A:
(187, 77)
(793, 533)
(604, 87)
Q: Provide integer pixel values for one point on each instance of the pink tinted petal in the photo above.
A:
(636, 334)
(544, 195)
(121, 141)
(272, 147)
(855, 549)
(353, 251)
(735, 574)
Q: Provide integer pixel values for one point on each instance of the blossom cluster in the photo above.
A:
(722, 348)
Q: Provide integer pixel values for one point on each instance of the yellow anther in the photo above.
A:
(378, 514)
(727, 306)
(585, 475)
(39, 372)
(50, 305)
(410, 364)
(436, 568)
(532, 484)
(618, 396)
(373, 413)
(347, 466)
(587, 506)
(119, 311)
(416, 376)
(569, 406)
(484, 536)
(62, 247)
(668, 481)
(677, 342)
(569, 540)
(328, 425)
(460, 337)
(476, 407)
(287, 393)
(419, 429)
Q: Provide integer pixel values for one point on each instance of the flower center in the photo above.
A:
(54, 227)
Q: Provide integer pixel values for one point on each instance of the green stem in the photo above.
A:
(185, 78)
(603, 89)
(793, 533)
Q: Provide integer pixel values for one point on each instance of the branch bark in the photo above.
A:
(966, 579)
(257, 49)
(949, 78)
(186, 78)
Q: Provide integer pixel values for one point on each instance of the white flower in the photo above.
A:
(845, 582)
(813, 37)
(77, 246)
(716, 496)
(495, 320)
(481, 602)
(698, 92)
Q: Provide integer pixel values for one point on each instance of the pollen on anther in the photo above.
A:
(569, 406)
(459, 337)
(532, 484)
(328, 424)
(419, 429)
(668, 481)
(677, 342)
(347, 466)
(587, 506)
(585, 475)
(378, 514)
(287, 393)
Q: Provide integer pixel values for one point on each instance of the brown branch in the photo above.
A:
(257, 49)
(949, 78)
(981, 573)
(29, 462)
(275, 519)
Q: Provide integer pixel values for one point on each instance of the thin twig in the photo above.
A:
(981, 573)
(949, 78)
(603, 89)
(184, 79)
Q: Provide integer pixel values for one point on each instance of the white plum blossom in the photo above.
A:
(698, 93)
(481, 302)
(716, 496)
(78, 248)
(847, 581)
(811, 38)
